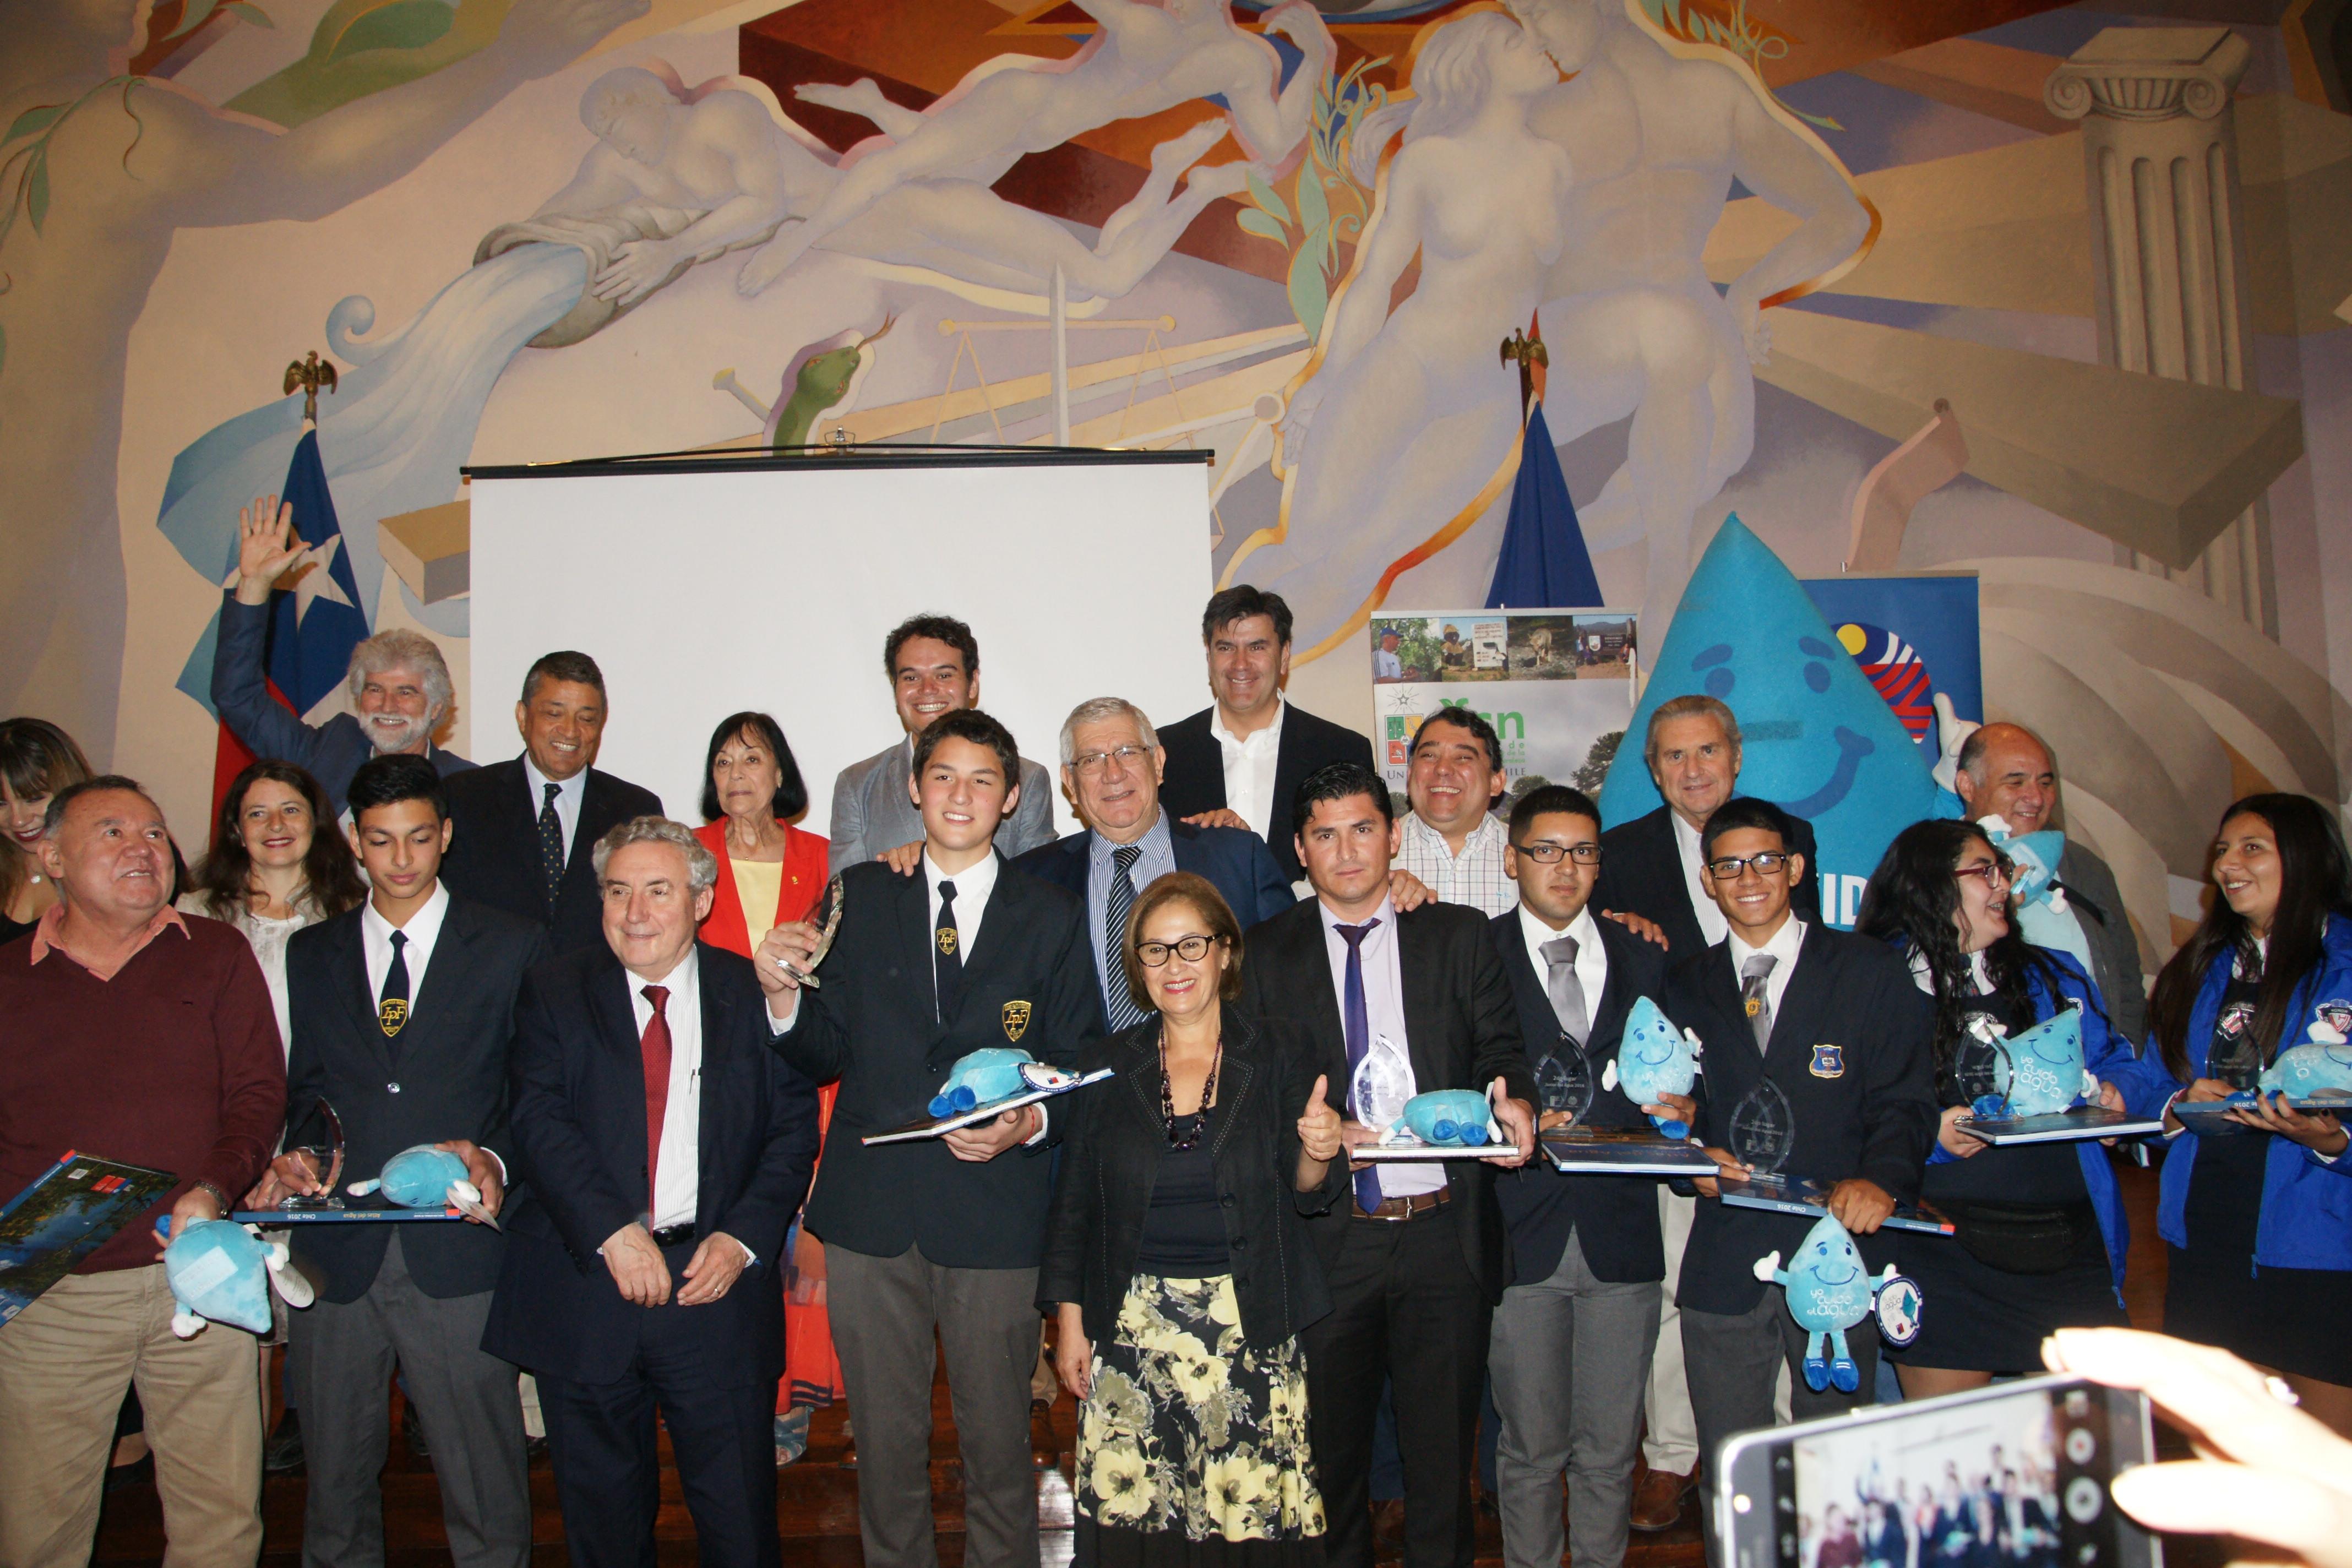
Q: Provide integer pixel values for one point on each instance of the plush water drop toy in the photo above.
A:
(2318, 1067)
(2045, 1067)
(1450, 1118)
(1829, 1291)
(223, 1272)
(990, 1073)
(1653, 1058)
(424, 1177)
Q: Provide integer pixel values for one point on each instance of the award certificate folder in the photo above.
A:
(1622, 1152)
(1408, 1148)
(940, 1126)
(2212, 1118)
(339, 1217)
(70, 1213)
(2060, 1126)
(1800, 1195)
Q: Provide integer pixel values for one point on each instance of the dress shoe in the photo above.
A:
(1044, 1448)
(283, 1453)
(412, 1429)
(140, 1471)
(1388, 1527)
(848, 1451)
(1658, 1500)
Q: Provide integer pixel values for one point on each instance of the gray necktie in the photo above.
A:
(1752, 976)
(1566, 991)
(1124, 1013)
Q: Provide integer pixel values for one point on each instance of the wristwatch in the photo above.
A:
(219, 1196)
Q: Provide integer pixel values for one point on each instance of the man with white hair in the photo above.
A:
(398, 682)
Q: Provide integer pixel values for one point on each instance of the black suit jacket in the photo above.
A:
(1110, 1161)
(1641, 873)
(1615, 1218)
(493, 854)
(1028, 981)
(1462, 1030)
(579, 1128)
(444, 1076)
(1195, 778)
(1850, 1049)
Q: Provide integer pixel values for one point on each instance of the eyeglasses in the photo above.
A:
(1091, 763)
(1997, 873)
(1190, 949)
(1765, 862)
(1549, 854)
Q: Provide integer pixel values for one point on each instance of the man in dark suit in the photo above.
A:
(938, 1235)
(1237, 763)
(403, 1022)
(526, 829)
(1112, 763)
(399, 683)
(1835, 1024)
(1396, 1005)
(1574, 1335)
(664, 1150)
(1649, 868)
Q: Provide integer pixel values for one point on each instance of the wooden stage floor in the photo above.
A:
(817, 1500)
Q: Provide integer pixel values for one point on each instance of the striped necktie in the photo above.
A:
(1124, 1013)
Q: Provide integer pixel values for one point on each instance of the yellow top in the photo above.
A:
(758, 885)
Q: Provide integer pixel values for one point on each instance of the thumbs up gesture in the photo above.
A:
(1318, 1126)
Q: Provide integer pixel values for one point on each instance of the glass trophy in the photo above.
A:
(2233, 1058)
(319, 1134)
(1380, 1084)
(826, 917)
(1763, 1129)
(1981, 1070)
(1563, 1086)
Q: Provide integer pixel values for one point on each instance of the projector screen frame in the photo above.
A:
(880, 454)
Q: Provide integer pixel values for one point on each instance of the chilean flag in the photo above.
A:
(313, 628)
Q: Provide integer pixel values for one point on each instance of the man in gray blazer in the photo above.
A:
(933, 662)
(2006, 770)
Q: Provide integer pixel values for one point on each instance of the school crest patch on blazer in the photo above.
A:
(1016, 1020)
(1829, 1061)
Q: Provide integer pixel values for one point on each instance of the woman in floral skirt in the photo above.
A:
(1179, 1264)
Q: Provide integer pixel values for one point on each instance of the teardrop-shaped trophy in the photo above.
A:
(1380, 1084)
(1981, 1070)
(1564, 1086)
(826, 917)
(1763, 1128)
(319, 1134)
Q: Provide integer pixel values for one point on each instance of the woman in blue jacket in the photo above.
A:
(2041, 1231)
(2259, 1227)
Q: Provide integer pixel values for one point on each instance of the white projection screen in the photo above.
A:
(707, 586)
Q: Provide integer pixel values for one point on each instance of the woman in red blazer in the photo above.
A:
(769, 874)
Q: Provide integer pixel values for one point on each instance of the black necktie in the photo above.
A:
(1124, 1013)
(550, 845)
(948, 956)
(391, 1008)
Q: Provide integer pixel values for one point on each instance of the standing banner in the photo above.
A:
(1914, 636)
(1558, 686)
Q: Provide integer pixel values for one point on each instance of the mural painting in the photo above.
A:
(2054, 294)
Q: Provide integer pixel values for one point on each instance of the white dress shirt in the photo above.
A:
(1712, 927)
(1783, 945)
(568, 795)
(1384, 1017)
(678, 1178)
(1476, 876)
(1249, 766)
(1591, 958)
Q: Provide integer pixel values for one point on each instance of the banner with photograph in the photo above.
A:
(1558, 686)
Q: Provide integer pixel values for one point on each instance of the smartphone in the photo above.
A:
(2015, 1474)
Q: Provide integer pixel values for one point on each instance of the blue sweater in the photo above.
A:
(2306, 1219)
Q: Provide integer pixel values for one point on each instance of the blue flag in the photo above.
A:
(313, 628)
(1544, 564)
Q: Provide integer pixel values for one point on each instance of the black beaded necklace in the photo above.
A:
(1167, 1096)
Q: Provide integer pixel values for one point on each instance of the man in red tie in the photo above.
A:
(662, 1148)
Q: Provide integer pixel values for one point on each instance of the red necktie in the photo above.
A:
(656, 1046)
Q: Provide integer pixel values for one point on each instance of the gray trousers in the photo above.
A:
(883, 1312)
(1570, 1356)
(1733, 1362)
(473, 1420)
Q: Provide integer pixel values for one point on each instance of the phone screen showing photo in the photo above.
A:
(2016, 1482)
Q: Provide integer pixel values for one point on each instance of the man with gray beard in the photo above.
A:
(399, 685)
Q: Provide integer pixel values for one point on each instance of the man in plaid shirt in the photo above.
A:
(1452, 841)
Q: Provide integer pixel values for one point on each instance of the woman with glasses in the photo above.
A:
(1177, 1262)
(2041, 1228)
(2259, 1228)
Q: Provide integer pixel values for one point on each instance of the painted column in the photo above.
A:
(2167, 229)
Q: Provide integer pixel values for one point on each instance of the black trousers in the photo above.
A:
(601, 1439)
(1406, 1306)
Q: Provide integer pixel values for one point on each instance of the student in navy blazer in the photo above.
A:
(641, 1270)
(1112, 765)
